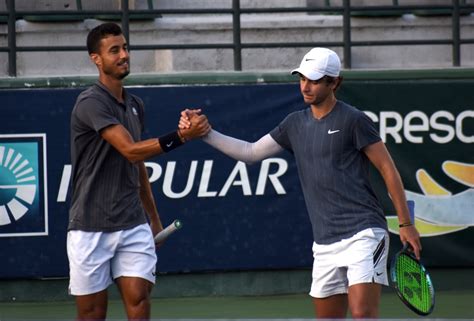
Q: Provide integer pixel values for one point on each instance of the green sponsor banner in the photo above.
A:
(428, 127)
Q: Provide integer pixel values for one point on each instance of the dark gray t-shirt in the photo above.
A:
(333, 171)
(105, 185)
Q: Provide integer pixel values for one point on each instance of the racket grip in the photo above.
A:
(406, 247)
(173, 227)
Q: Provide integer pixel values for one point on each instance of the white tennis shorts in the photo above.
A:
(359, 259)
(97, 258)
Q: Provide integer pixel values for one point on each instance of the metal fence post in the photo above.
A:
(11, 38)
(126, 21)
(346, 27)
(236, 35)
(456, 34)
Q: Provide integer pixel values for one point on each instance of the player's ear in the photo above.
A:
(338, 81)
(96, 59)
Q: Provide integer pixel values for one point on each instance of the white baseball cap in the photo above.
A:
(319, 62)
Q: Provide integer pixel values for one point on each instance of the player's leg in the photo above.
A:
(133, 269)
(366, 258)
(329, 286)
(89, 271)
(333, 307)
(92, 306)
(135, 294)
(364, 300)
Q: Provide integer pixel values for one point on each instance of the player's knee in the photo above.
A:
(142, 302)
(92, 312)
(139, 302)
(138, 309)
(364, 312)
(92, 307)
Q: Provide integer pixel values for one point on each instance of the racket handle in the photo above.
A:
(173, 227)
(406, 248)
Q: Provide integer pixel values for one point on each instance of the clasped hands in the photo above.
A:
(193, 124)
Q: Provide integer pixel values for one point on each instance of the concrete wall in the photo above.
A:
(256, 28)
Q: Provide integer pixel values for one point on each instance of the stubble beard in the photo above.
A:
(124, 74)
(115, 73)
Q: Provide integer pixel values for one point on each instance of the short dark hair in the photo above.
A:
(100, 32)
(329, 80)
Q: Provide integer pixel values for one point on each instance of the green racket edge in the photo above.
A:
(393, 279)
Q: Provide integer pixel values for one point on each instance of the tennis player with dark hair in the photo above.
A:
(113, 215)
(333, 144)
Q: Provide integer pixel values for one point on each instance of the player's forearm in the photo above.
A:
(119, 137)
(145, 149)
(381, 159)
(407, 230)
(395, 188)
(242, 150)
(142, 150)
(232, 147)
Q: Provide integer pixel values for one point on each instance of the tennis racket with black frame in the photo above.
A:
(412, 282)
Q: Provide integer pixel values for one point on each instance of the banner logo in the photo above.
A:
(438, 211)
(23, 187)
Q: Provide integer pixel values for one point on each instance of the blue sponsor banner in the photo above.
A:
(235, 216)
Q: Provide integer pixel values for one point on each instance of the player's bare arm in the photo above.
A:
(119, 137)
(381, 159)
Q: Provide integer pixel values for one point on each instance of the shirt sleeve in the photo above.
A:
(141, 112)
(280, 134)
(95, 114)
(365, 132)
(242, 150)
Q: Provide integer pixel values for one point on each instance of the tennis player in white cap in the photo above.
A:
(333, 144)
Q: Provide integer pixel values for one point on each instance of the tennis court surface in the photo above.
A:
(454, 300)
(450, 305)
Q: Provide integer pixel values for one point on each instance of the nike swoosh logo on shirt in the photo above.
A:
(333, 131)
(169, 144)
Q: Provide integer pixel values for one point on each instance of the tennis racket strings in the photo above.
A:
(413, 284)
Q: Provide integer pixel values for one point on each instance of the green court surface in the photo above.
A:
(262, 295)
(449, 305)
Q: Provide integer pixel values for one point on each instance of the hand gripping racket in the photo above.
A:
(173, 227)
(412, 282)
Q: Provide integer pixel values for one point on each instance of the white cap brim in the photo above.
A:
(310, 74)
